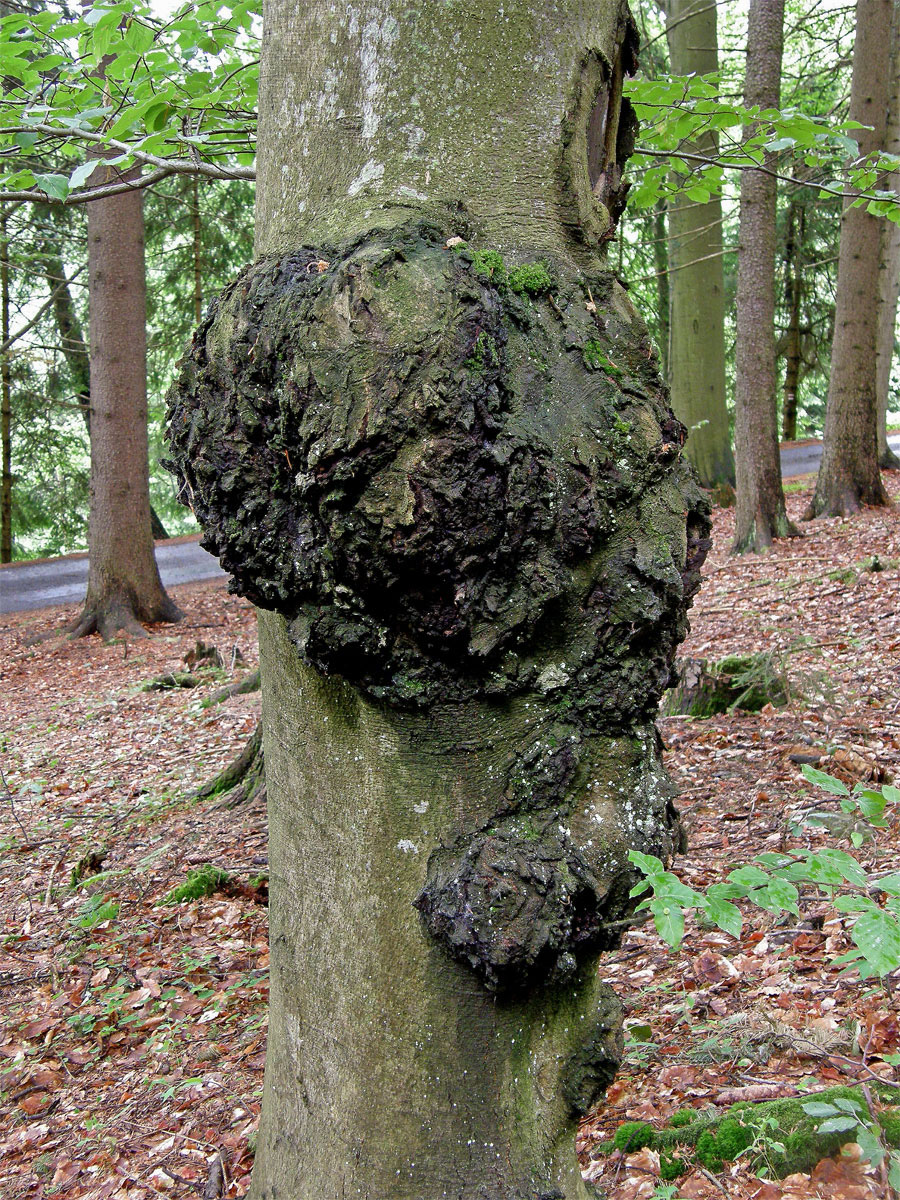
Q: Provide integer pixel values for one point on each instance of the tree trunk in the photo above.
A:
(664, 299)
(75, 350)
(6, 540)
(696, 274)
(124, 587)
(793, 292)
(849, 475)
(425, 432)
(889, 275)
(197, 255)
(760, 515)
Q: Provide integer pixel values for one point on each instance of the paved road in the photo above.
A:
(800, 460)
(64, 580)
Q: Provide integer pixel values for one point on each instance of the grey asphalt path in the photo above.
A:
(64, 580)
(800, 460)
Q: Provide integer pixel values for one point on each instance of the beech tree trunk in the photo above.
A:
(425, 433)
(696, 273)
(889, 275)
(760, 514)
(124, 587)
(849, 475)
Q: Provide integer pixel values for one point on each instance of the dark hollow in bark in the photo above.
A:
(458, 479)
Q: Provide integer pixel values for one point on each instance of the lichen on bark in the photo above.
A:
(455, 491)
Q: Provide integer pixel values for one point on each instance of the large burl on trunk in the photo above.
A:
(430, 442)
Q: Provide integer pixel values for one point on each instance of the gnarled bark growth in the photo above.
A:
(434, 448)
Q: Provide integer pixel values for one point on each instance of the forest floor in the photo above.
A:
(133, 1030)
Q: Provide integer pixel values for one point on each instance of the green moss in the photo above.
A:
(489, 264)
(685, 1117)
(595, 359)
(634, 1135)
(784, 1138)
(530, 279)
(484, 354)
(201, 882)
(671, 1166)
(723, 1144)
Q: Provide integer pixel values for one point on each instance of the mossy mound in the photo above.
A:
(779, 1135)
(740, 681)
(204, 881)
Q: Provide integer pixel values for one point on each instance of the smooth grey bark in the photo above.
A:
(760, 514)
(849, 476)
(696, 273)
(425, 433)
(889, 277)
(124, 587)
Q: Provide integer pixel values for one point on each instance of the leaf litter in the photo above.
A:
(133, 1032)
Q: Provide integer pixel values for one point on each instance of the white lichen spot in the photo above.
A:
(371, 173)
(421, 807)
(407, 846)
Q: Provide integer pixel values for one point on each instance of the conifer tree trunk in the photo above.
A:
(696, 274)
(760, 514)
(124, 587)
(793, 294)
(889, 276)
(426, 435)
(849, 475)
(6, 539)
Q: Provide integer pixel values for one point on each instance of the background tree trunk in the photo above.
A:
(696, 274)
(849, 475)
(6, 539)
(663, 291)
(426, 433)
(75, 349)
(889, 277)
(124, 587)
(760, 514)
(793, 294)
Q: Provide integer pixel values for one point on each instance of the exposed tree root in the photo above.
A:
(122, 611)
(243, 779)
(240, 687)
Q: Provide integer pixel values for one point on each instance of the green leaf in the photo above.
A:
(749, 876)
(56, 186)
(648, 863)
(822, 780)
(726, 916)
(871, 805)
(890, 793)
(782, 896)
(819, 1108)
(838, 1125)
(669, 921)
(877, 934)
(84, 171)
